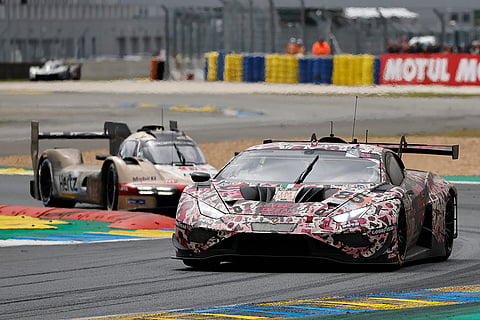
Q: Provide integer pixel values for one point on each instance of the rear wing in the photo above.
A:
(404, 147)
(115, 132)
(400, 148)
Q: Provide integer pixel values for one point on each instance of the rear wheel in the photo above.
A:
(111, 188)
(449, 226)
(46, 187)
(401, 239)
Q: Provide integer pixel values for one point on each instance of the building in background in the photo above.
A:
(37, 30)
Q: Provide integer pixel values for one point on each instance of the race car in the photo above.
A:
(55, 70)
(146, 170)
(325, 199)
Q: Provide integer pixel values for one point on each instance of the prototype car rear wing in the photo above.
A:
(115, 132)
(404, 147)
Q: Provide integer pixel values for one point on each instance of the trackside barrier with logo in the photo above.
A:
(441, 69)
(346, 70)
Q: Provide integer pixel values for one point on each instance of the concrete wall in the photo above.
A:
(14, 70)
(93, 70)
(115, 69)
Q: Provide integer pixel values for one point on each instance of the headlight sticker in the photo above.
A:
(350, 215)
(209, 211)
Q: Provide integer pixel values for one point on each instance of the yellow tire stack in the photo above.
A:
(291, 69)
(281, 69)
(366, 70)
(342, 70)
(233, 67)
(338, 73)
(353, 70)
(212, 59)
(271, 68)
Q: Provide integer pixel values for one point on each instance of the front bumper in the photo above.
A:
(290, 246)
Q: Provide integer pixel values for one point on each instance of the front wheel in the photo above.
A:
(111, 188)
(46, 187)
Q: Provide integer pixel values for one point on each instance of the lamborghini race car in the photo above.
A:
(327, 199)
(55, 70)
(145, 170)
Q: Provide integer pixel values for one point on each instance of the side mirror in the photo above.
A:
(199, 176)
(101, 157)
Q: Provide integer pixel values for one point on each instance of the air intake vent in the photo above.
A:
(256, 193)
(314, 194)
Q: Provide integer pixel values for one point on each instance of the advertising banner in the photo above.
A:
(442, 69)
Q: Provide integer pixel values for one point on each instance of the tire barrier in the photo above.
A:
(349, 70)
(281, 69)
(211, 66)
(353, 70)
(233, 67)
(221, 65)
(253, 68)
(322, 69)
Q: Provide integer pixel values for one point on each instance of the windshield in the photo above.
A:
(301, 166)
(171, 153)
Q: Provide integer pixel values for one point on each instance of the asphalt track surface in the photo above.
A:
(87, 280)
(273, 113)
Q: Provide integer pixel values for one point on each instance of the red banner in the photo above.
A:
(444, 69)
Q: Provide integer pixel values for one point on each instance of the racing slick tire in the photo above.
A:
(449, 226)
(46, 185)
(111, 187)
(401, 239)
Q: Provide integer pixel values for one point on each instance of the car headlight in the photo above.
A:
(209, 211)
(350, 215)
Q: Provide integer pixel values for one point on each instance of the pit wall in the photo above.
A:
(347, 70)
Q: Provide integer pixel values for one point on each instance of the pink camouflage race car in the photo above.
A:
(326, 199)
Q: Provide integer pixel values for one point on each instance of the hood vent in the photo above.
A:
(257, 193)
(314, 194)
(266, 194)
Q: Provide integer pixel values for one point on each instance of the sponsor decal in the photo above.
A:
(382, 230)
(68, 183)
(349, 224)
(142, 179)
(444, 69)
(278, 208)
(285, 195)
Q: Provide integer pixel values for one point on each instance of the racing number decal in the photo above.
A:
(353, 197)
(68, 183)
(285, 195)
